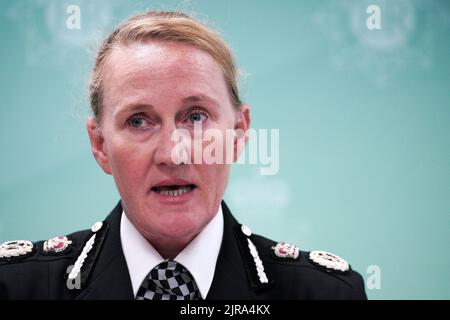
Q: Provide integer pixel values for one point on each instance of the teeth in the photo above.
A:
(175, 193)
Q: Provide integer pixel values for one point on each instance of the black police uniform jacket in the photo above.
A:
(104, 273)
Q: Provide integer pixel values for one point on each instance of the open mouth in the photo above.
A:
(174, 190)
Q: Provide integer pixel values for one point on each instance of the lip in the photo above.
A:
(173, 200)
(169, 182)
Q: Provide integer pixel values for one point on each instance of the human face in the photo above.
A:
(151, 89)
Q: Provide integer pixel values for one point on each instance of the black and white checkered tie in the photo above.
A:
(168, 281)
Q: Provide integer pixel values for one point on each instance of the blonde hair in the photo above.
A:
(169, 26)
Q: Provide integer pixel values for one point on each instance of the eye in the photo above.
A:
(136, 121)
(197, 116)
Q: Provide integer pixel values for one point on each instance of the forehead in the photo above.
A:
(161, 68)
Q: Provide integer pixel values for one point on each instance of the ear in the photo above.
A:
(242, 125)
(98, 145)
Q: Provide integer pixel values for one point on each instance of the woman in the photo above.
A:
(171, 236)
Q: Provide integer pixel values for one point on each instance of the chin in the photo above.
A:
(178, 221)
(180, 230)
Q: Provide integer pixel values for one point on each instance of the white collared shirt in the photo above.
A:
(199, 256)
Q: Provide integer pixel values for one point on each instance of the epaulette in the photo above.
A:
(285, 252)
(21, 250)
(329, 262)
(16, 250)
(254, 247)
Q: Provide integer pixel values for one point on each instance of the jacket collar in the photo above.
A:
(110, 277)
(230, 278)
(233, 277)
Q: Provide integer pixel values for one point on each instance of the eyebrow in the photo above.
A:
(140, 107)
(201, 97)
(144, 107)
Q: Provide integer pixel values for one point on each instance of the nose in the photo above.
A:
(165, 154)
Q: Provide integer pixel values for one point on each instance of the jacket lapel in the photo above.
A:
(110, 278)
(230, 278)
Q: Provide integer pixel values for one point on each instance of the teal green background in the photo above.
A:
(363, 116)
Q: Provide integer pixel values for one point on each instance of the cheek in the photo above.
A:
(214, 177)
(128, 160)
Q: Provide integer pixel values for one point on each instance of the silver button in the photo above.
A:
(246, 230)
(97, 226)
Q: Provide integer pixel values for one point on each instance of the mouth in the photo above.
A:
(174, 190)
